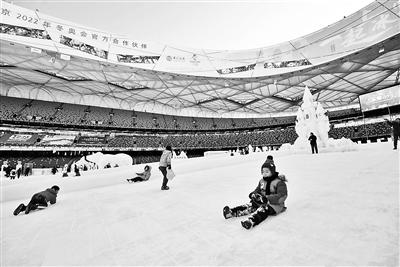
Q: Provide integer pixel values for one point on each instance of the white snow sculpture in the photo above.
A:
(311, 118)
(101, 160)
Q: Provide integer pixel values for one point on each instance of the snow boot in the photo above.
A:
(20, 208)
(247, 224)
(31, 207)
(28, 209)
(227, 212)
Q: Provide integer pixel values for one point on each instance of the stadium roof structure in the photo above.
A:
(46, 58)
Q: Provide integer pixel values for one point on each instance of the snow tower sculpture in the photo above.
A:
(311, 118)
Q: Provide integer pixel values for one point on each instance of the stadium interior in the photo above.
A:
(58, 106)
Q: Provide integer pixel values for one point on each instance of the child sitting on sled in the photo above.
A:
(267, 199)
(142, 176)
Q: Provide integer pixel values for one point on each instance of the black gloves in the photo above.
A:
(169, 167)
(264, 199)
(258, 198)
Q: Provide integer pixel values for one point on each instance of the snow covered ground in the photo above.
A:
(343, 209)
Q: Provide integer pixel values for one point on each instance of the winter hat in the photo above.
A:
(269, 160)
(168, 148)
(270, 166)
(55, 187)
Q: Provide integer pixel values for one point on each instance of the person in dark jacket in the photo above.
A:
(54, 170)
(395, 131)
(19, 169)
(142, 176)
(165, 162)
(39, 199)
(267, 199)
(76, 170)
(313, 143)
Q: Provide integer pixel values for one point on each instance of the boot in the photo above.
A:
(247, 224)
(227, 212)
(20, 208)
(28, 209)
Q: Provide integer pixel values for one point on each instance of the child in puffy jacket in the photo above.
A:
(267, 199)
(142, 176)
(39, 199)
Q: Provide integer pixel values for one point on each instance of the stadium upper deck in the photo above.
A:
(46, 58)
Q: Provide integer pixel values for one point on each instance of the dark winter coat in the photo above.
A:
(276, 192)
(312, 139)
(396, 126)
(50, 195)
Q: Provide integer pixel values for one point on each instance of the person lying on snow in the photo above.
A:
(39, 200)
(267, 199)
(142, 176)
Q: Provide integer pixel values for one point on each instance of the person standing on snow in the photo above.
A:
(19, 169)
(395, 131)
(313, 143)
(165, 162)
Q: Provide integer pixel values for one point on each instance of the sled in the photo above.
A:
(170, 174)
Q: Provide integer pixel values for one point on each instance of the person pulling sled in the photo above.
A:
(267, 199)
